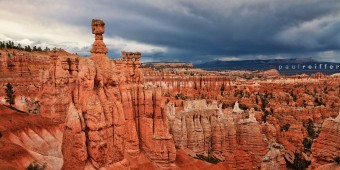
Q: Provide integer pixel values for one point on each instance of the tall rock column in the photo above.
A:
(102, 108)
(154, 134)
(98, 29)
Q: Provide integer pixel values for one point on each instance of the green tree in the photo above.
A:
(36, 166)
(224, 105)
(310, 129)
(299, 162)
(221, 89)
(285, 127)
(28, 48)
(337, 160)
(46, 49)
(333, 105)
(19, 46)
(243, 106)
(307, 143)
(10, 97)
(264, 117)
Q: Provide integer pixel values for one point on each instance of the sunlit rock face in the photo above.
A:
(202, 128)
(326, 147)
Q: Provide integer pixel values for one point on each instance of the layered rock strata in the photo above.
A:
(204, 129)
(326, 148)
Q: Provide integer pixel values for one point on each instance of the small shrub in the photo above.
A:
(285, 127)
(222, 89)
(166, 94)
(264, 117)
(243, 107)
(333, 105)
(33, 106)
(337, 160)
(307, 143)
(10, 97)
(299, 162)
(264, 102)
(224, 105)
(210, 159)
(293, 96)
(36, 166)
(310, 129)
(181, 96)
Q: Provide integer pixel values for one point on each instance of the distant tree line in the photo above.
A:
(11, 45)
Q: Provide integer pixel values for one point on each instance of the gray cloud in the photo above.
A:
(185, 30)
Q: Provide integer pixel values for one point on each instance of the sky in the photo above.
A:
(195, 31)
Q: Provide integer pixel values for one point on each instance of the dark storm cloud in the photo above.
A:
(198, 31)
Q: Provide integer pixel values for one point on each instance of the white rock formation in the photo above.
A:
(337, 119)
(237, 108)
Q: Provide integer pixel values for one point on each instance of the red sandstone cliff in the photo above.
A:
(326, 148)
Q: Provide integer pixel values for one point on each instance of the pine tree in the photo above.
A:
(29, 48)
(222, 89)
(19, 46)
(10, 97)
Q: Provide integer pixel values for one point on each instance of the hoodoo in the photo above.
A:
(98, 29)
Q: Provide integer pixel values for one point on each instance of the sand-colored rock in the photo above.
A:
(236, 108)
(274, 159)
